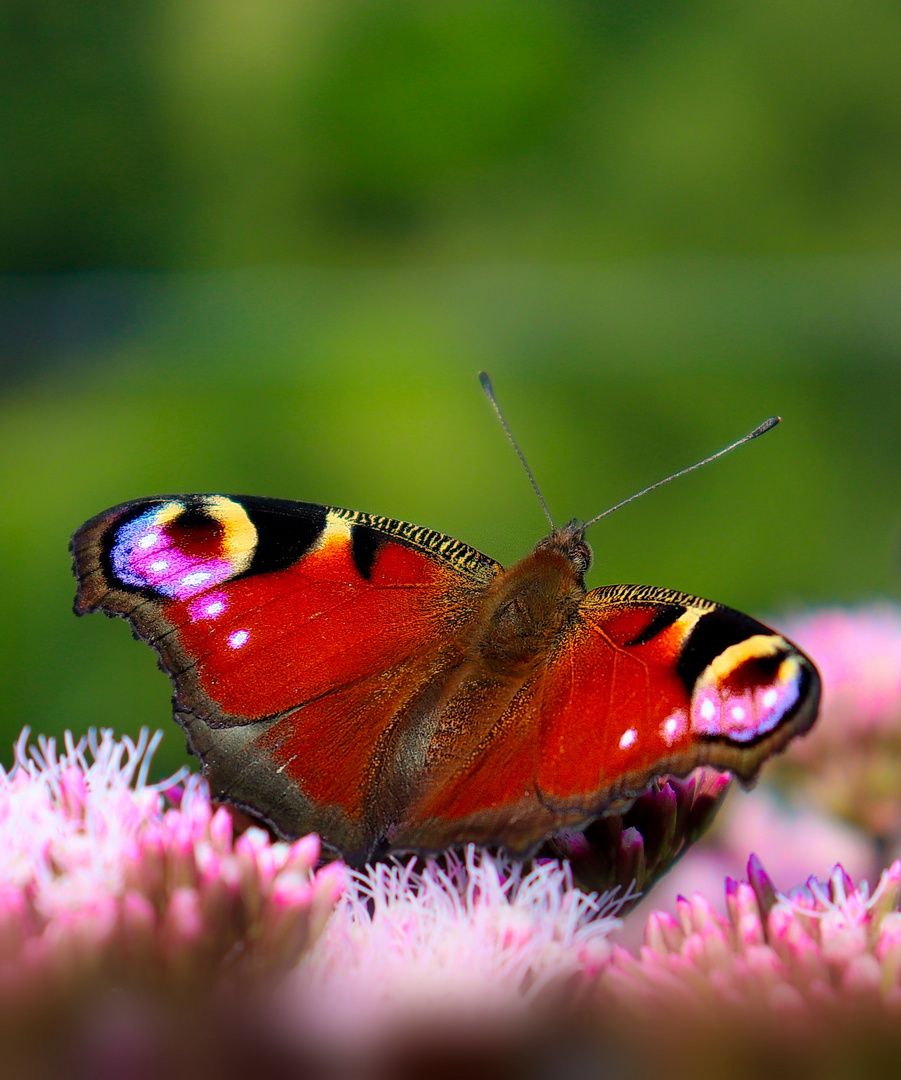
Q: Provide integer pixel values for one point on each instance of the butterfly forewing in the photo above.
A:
(296, 635)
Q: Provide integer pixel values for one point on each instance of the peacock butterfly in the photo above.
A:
(391, 688)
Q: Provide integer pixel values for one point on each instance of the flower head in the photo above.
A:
(475, 938)
(826, 953)
(630, 851)
(102, 885)
(850, 763)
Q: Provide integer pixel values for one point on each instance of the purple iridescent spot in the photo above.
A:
(209, 606)
(144, 556)
(743, 716)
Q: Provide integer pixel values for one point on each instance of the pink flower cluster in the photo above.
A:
(827, 946)
(474, 938)
(631, 850)
(850, 764)
(858, 652)
(102, 885)
(111, 885)
(805, 984)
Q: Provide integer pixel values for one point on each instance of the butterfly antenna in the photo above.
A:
(489, 393)
(760, 430)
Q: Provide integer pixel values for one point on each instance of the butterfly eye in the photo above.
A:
(576, 548)
(581, 557)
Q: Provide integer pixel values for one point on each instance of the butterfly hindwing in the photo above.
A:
(646, 682)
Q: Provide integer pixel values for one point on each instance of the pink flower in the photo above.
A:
(792, 839)
(632, 850)
(850, 763)
(474, 940)
(826, 953)
(102, 886)
(858, 653)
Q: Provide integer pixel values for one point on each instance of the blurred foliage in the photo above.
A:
(654, 223)
(217, 132)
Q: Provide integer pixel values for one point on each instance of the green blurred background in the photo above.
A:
(263, 246)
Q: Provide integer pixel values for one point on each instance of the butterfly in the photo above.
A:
(391, 688)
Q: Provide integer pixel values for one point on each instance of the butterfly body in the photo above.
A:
(391, 688)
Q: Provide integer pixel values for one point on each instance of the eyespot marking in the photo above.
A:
(180, 549)
(748, 689)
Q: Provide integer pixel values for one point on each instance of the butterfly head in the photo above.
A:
(571, 543)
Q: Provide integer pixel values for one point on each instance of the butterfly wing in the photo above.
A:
(303, 642)
(646, 682)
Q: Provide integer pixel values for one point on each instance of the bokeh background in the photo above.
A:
(263, 246)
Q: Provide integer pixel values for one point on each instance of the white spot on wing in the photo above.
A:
(197, 578)
(238, 638)
(628, 739)
(673, 727)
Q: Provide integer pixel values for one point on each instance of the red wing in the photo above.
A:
(646, 683)
(259, 607)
